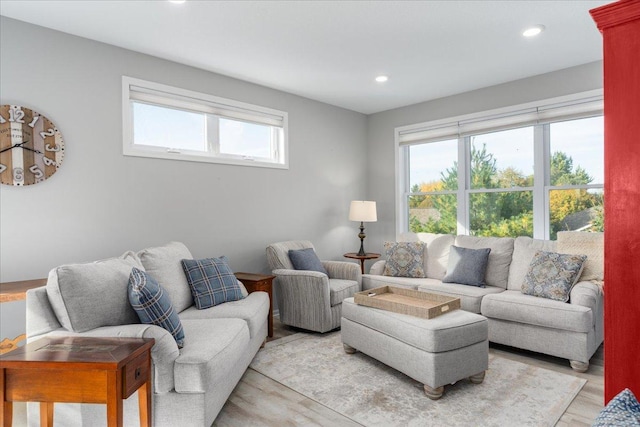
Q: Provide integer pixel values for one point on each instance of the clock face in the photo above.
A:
(31, 146)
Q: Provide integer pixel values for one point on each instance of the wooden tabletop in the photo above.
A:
(82, 352)
(16, 291)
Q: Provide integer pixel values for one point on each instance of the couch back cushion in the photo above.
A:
(436, 254)
(524, 249)
(585, 243)
(88, 296)
(499, 258)
(163, 263)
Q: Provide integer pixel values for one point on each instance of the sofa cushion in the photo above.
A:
(622, 410)
(212, 281)
(306, 259)
(524, 248)
(152, 304)
(450, 331)
(214, 347)
(163, 264)
(404, 259)
(253, 309)
(552, 275)
(436, 254)
(470, 296)
(499, 258)
(514, 306)
(370, 281)
(340, 289)
(585, 243)
(467, 266)
(87, 296)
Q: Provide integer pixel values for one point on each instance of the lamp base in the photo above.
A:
(361, 235)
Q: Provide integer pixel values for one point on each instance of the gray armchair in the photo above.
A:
(308, 299)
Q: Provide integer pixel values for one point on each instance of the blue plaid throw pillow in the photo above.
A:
(153, 305)
(622, 410)
(211, 281)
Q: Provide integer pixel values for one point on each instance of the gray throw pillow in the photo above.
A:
(306, 259)
(552, 275)
(467, 266)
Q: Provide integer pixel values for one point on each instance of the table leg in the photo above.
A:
(144, 403)
(6, 408)
(46, 414)
(114, 399)
(362, 266)
(270, 319)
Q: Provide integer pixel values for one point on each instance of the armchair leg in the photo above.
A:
(579, 366)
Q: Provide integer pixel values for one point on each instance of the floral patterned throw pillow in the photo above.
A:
(552, 275)
(404, 259)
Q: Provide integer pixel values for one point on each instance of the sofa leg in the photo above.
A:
(579, 366)
(348, 349)
(433, 393)
(477, 378)
(263, 343)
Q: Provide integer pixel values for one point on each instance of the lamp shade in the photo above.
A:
(363, 211)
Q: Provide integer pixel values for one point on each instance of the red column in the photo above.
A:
(619, 24)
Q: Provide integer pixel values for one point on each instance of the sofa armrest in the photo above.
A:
(303, 295)
(378, 268)
(586, 294)
(343, 270)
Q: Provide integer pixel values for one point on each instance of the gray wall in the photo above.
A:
(100, 203)
(381, 163)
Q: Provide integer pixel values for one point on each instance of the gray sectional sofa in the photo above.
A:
(572, 330)
(191, 384)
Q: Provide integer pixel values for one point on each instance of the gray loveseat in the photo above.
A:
(572, 330)
(191, 384)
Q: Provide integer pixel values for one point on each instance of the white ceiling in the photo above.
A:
(331, 51)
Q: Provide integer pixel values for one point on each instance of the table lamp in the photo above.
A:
(362, 211)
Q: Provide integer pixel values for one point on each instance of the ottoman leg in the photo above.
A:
(348, 349)
(579, 366)
(433, 393)
(477, 378)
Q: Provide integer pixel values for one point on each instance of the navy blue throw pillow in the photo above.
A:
(306, 259)
(153, 305)
(211, 281)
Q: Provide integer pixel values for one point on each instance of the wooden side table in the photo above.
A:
(362, 258)
(16, 291)
(80, 370)
(260, 282)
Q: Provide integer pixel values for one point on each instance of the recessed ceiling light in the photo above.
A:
(533, 31)
(177, 1)
(382, 79)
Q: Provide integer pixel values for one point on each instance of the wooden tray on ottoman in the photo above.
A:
(407, 301)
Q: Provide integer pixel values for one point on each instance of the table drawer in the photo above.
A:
(135, 373)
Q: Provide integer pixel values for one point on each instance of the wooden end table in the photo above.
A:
(362, 258)
(77, 370)
(260, 282)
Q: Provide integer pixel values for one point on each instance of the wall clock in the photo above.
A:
(31, 146)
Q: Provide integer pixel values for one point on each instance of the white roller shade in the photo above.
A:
(197, 104)
(515, 117)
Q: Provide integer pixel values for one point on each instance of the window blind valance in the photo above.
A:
(497, 120)
(214, 106)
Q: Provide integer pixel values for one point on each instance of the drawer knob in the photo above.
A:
(137, 373)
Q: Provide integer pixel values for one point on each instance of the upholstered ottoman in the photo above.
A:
(435, 352)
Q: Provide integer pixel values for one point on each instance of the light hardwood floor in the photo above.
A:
(260, 401)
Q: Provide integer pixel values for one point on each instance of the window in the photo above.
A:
(530, 170)
(170, 123)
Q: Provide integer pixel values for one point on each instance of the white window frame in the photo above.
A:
(537, 114)
(142, 91)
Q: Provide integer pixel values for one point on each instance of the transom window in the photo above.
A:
(526, 171)
(166, 122)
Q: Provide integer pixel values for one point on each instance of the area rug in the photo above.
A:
(372, 394)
